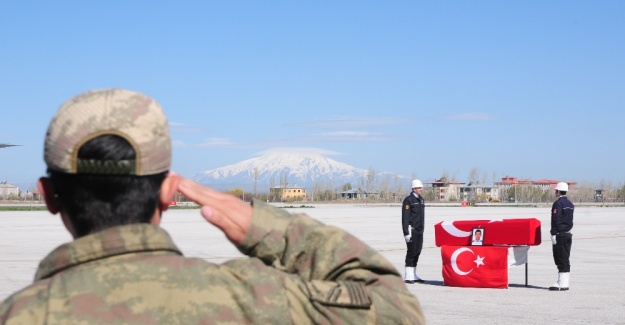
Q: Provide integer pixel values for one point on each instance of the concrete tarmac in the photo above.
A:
(597, 260)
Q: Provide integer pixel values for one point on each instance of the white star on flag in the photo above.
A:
(479, 261)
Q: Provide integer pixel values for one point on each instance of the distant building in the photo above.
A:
(449, 190)
(544, 184)
(8, 191)
(356, 194)
(508, 182)
(288, 193)
(444, 189)
(482, 193)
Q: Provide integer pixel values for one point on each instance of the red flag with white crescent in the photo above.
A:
(519, 232)
(475, 266)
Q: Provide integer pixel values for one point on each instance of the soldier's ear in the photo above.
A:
(168, 189)
(49, 195)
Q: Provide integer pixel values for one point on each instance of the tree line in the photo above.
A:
(391, 188)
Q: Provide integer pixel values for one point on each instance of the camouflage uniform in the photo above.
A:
(300, 272)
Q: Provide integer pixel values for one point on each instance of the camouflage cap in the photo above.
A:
(133, 116)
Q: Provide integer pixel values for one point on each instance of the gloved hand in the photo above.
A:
(553, 239)
(408, 237)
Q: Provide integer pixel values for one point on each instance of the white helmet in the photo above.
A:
(417, 184)
(562, 187)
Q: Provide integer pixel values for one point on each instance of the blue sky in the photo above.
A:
(532, 89)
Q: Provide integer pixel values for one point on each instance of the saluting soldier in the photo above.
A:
(108, 154)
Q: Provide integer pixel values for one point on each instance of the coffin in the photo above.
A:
(515, 232)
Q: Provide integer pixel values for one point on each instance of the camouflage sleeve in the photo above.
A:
(330, 275)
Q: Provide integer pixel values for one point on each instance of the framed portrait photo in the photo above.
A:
(477, 237)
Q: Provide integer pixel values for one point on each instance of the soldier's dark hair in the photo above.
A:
(96, 202)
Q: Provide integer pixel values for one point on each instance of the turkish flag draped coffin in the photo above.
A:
(475, 266)
(496, 232)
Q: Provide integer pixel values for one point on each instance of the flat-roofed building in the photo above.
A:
(444, 189)
(288, 193)
(8, 191)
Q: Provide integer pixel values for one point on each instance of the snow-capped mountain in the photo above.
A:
(296, 168)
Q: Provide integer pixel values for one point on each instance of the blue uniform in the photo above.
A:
(561, 225)
(413, 215)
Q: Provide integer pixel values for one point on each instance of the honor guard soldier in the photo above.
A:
(561, 236)
(412, 220)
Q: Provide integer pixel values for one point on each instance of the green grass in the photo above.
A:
(22, 208)
(184, 207)
(302, 206)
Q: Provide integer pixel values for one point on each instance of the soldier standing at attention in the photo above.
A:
(561, 236)
(412, 220)
(108, 154)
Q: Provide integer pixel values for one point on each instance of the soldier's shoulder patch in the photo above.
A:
(342, 293)
(407, 206)
(555, 211)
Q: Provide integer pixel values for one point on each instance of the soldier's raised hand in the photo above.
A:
(225, 211)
